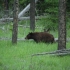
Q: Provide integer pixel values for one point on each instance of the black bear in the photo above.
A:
(41, 37)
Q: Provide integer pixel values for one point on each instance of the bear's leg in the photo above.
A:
(36, 40)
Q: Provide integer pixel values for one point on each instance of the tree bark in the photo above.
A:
(6, 4)
(6, 8)
(15, 24)
(62, 25)
(32, 15)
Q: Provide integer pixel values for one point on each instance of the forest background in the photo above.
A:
(47, 8)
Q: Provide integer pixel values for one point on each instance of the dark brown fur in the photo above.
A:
(41, 37)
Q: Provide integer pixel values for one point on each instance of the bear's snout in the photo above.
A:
(25, 37)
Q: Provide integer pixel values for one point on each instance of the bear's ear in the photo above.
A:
(31, 33)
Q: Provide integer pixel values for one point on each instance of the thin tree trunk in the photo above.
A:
(6, 4)
(32, 15)
(62, 25)
(15, 24)
(6, 8)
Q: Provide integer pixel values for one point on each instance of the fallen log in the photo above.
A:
(25, 10)
(6, 38)
(53, 53)
(21, 18)
(23, 39)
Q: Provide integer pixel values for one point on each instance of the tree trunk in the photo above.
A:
(15, 24)
(62, 25)
(6, 8)
(6, 4)
(32, 15)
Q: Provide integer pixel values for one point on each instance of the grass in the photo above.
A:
(18, 56)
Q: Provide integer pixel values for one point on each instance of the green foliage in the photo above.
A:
(51, 1)
(48, 6)
(68, 5)
(53, 10)
(43, 4)
(49, 22)
(23, 3)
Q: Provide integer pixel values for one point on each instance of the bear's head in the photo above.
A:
(29, 36)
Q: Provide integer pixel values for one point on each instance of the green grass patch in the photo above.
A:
(18, 57)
